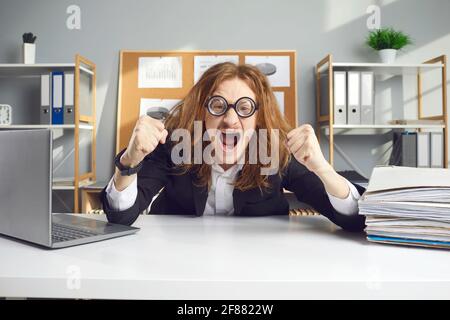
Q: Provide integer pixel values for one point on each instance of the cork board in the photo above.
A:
(130, 94)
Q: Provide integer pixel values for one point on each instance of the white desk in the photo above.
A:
(176, 257)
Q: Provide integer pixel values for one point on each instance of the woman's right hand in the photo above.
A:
(147, 134)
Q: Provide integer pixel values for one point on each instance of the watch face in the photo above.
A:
(5, 114)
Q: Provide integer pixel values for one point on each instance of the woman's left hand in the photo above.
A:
(304, 146)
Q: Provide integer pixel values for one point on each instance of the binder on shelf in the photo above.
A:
(367, 98)
(45, 115)
(423, 149)
(404, 149)
(57, 97)
(69, 112)
(353, 97)
(409, 149)
(396, 154)
(340, 99)
(437, 149)
(324, 94)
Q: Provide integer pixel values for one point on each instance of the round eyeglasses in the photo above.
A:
(217, 106)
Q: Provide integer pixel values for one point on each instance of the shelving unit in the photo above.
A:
(325, 123)
(43, 126)
(84, 115)
(345, 129)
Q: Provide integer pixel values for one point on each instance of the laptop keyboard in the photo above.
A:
(65, 233)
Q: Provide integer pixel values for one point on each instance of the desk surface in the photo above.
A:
(177, 257)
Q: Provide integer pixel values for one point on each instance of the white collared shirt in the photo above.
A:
(220, 195)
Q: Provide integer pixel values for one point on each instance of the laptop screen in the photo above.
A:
(25, 184)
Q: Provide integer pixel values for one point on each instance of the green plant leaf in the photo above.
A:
(387, 38)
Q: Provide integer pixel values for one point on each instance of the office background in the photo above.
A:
(313, 28)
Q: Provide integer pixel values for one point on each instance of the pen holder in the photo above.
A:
(29, 53)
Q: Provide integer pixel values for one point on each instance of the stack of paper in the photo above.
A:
(409, 206)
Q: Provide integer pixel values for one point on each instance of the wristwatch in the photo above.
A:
(126, 171)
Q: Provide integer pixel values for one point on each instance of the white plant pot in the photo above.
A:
(387, 55)
(29, 53)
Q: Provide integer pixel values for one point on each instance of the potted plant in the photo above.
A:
(29, 48)
(387, 41)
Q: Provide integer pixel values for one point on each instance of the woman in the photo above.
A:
(229, 100)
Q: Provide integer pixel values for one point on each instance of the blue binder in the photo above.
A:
(417, 242)
(57, 97)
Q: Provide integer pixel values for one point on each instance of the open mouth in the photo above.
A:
(229, 139)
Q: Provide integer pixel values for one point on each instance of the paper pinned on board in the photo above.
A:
(148, 105)
(279, 95)
(203, 63)
(276, 67)
(160, 72)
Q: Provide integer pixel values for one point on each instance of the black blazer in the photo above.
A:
(182, 196)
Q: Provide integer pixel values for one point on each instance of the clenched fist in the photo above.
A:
(302, 143)
(147, 134)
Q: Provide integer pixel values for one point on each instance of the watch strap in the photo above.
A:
(124, 170)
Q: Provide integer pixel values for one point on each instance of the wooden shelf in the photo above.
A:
(90, 197)
(388, 65)
(325, 123)
(389, 69)
(68, 185)
(387, 126)
(43, 126)
(85, 122)
(374, 129)
(20, 69)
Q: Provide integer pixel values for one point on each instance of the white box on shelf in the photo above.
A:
(437, 149)
(340, 99)
(353, 97)
(367, 98)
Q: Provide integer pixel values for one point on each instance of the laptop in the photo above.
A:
(26, 163)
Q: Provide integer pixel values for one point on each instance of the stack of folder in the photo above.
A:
(408, 206)
(354, 97)
(57, 98)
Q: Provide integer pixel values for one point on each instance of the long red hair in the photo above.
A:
(268, 117)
